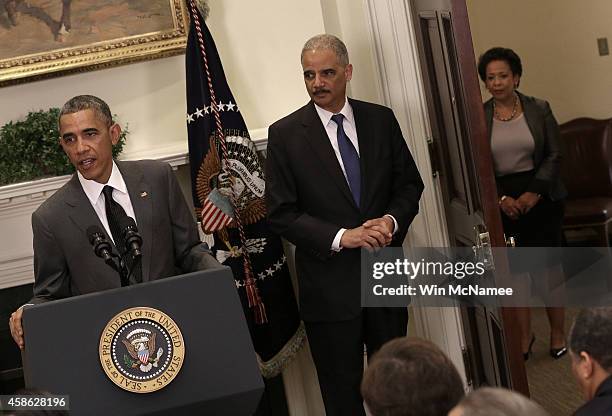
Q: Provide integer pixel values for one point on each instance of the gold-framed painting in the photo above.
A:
(45, 38)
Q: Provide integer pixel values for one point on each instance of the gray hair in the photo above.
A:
(488, 401)
(87, 102)
(331, 42)
(592, 333)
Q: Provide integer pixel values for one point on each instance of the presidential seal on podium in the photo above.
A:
(141, 349)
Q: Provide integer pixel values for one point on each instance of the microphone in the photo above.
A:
(103, 249)
(101, 246)
(131, 238)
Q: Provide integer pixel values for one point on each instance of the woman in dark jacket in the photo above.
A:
(525, 146)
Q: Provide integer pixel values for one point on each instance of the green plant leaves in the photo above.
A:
(29, 149)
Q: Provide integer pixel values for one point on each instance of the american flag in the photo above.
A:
(277, 340)
(217, 212)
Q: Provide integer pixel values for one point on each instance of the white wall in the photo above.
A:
(259, 43)
(149, 97)
(556, 40)
(347, 20)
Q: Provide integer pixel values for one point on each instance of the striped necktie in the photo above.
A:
(115, 215)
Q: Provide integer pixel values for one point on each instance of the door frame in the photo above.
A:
(396, 61)
(390, 29)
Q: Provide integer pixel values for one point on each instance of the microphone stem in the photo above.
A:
(124, 273)
(111, 262)
(134, 264)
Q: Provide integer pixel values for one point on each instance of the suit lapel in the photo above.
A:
(532, 117)
(80, 210)
(319, 141)
(488, 109)
(83, 216)
(140, 196)
(365, 138)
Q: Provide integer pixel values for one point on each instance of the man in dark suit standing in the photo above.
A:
(339, 177)
(590, 343)
(102, 193)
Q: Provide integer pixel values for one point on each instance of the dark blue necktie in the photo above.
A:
(350, 159)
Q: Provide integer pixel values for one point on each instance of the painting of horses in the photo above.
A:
(47, 37)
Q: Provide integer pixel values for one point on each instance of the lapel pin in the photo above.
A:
(143, 194)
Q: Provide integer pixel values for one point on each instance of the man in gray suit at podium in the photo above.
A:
(99, 197)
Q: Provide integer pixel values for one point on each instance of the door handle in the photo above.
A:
(482, 247)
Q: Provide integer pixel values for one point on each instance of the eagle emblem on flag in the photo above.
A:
(245, 181)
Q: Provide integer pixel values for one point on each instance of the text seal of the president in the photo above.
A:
(141, 349)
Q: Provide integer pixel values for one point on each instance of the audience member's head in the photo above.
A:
(590, 344)
(489, 401)
(410, 377)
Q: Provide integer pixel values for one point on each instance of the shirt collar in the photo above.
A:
(346, 111)
(93, 189)
(605, 388)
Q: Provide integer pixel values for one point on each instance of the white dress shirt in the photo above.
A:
(93, 190)
(331, 128)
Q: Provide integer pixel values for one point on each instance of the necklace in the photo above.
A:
(512, 115)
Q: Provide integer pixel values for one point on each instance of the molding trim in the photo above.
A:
(35, 192)
(177, 154)
(392, 33)
(396, 56)
(16, 271)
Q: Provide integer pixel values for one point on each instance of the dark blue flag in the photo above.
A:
(228, 190)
